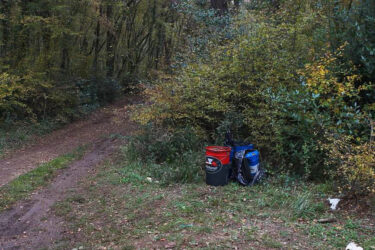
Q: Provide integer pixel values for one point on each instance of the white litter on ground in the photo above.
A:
(149, 179)
(353, 246)
(333, 203)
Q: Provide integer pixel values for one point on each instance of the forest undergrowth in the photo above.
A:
(296, 78)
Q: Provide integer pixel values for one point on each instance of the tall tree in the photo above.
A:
(220, 5)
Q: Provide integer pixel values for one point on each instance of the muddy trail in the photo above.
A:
(30, 224)
(107, 121)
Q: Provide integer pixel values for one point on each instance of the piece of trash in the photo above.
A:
(353, 246)
(149, 179)
(327, 220)
(333, 203)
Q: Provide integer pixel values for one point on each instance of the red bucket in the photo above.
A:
(220, 153)
(217, 165)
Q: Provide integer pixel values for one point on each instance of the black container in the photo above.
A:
(218, 165)
(219, 175)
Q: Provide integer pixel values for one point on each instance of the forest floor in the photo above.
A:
(95, 198)
(43, 172)
(122, 208)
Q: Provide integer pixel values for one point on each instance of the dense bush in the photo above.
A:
(247, 77)
(354, 23)
(354, 165)
(277, 83)
(34, 97)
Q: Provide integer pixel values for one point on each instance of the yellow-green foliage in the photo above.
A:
(238, 77)
(274, 83)
(333, 81)
(355, 172)
(20, 94)
(10, 91)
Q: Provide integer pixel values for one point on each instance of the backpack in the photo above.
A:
(242, 170)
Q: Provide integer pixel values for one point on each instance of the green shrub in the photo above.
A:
(97, 91)
(354, 24)
(160, 146)
(276, 82)
(168, 156)
(185, 169)
(245, 86)
(304, 205)
(354, 165)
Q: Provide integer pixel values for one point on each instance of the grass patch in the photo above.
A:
(13, 135)
(168, 157)
(124, 209)
(22, 186)
(269, 242)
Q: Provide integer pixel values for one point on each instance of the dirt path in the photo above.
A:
(31, 224)
(102, 123)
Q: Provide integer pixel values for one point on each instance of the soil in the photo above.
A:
(102, 123)
(31, 224)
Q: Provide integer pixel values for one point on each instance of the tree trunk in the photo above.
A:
(220, 5)
(4, 25)
(110, 43)
(96, 44)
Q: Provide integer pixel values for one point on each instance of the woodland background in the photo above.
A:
(294, 77)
